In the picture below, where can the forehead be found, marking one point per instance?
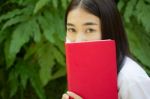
(80, 16)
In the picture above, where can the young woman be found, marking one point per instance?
(89, 20)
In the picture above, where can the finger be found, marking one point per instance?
(65, 96)
(73, 95)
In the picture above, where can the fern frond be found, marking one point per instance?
(46, 61)
(143, 15)
(39, 5)
(129, 10)
(20, 36)
(55, 3)
(64, 3)
(47, 28)
(15, 20)
(58, 56)
(10, 15)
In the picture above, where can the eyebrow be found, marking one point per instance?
(70, 24)
(88, 23)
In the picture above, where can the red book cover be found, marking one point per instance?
(92, 69)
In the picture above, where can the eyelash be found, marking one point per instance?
(72, 30)
(91, 30)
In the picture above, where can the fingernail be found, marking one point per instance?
(66, 96)
(68, 92)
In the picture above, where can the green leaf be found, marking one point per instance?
(36, 31)
(14, 20)
(40, 4)
(30, 71)
(3, 35)
(55, 3)
(13, 82)
(58, 56)
(51, 27)
(21, 35)
(38, 88)
(64, 3)
(60, 43)
(129, 10)
(36, 82)
(8, 58)
(139, 44)
(47, 28)
(24, 2)
(10, 15)
(24, 73)
(61, 72)
(147, 1)
(30, 51)
(143, 15)
(46, 61)
(121, 4)
(16, 12)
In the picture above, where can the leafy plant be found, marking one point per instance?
(136, 15)
(31, 46)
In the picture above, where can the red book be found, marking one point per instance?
(92, 69)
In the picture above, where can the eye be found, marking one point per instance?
(71, 30)
(90, 30)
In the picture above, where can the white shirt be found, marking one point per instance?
(133, 82)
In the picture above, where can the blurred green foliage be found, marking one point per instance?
(32, 56)
(32, 49)
(137, 22)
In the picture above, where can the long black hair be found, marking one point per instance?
(111, 23)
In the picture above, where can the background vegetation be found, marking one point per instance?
(32, 56)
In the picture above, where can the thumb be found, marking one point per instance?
(73, 95)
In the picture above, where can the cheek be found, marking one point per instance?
(71, 36)
(94, 36)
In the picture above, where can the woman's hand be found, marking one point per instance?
(70, 94)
